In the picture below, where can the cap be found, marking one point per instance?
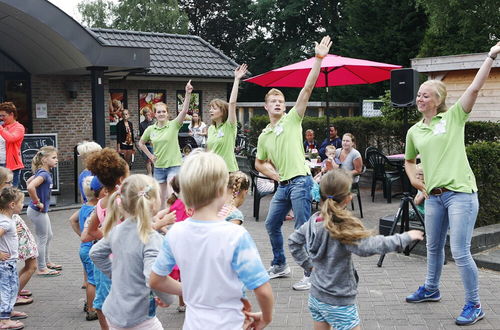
(95, 184)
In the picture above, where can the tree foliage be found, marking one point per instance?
(152, 15)
(459, 27)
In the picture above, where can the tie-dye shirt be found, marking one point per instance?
(216, 259)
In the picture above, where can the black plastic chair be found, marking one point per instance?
(384, 170)
(257, 195)
(355, 190)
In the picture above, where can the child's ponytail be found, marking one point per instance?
(143, 214)
(238, 181)
(335, 188)
(36, 162)
(113, 212)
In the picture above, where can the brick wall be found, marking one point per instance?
(72, 118)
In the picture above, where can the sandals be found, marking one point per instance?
(54, 266)
(11, 325)
(26, 293)
(50, 273)
(15, 315)
(23, 300)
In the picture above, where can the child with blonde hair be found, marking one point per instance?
(40, 190)
(11, 202)
(324, 245)
(237, 189)
(28, 251)
(215, 257)
(84, 149)
(134, 245)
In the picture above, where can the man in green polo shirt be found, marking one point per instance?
(281, 144)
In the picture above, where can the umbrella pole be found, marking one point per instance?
(326, 106)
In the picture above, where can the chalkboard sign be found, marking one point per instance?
(29, 148)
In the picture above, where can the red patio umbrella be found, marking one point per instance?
(335, 71)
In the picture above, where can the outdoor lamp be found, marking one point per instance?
(72, 88)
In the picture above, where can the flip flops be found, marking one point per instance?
(11, 325)
(54, 266)
(15, 315)
(50, 273)
(23, 300)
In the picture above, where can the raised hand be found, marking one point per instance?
(240, 71)
(323, 47)
(189, 87)
(495, 50)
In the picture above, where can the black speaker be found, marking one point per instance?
(404, 87)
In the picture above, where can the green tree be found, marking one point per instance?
(153, 16)
(388, 31)
(390, 112)
(458, 27)
(96, 13)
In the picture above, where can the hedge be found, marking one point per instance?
(484, 160)
(386, 135)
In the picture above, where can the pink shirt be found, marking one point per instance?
(180, 210)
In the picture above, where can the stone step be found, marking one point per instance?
(489, 259)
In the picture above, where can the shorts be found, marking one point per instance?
(88, 265)
(339, 317)
(102, 287)
(163, 175)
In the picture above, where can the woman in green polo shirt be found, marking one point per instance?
(163, 135)
(450, 187)
(222, 133)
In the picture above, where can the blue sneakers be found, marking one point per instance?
(470, 314)
(422, 294)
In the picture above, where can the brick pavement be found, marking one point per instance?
(58, 301)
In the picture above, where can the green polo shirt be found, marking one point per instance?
(222, 140)
(283, 146)
(442, 151)
(165, 143)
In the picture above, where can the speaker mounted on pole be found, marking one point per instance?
(404, 87)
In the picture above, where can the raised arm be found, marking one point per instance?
(185, 106)
(239, 72)
(321, 50)
(468, 99)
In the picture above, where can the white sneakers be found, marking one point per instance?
(303, 285)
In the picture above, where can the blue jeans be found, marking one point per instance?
(9, 284)
(15, 178)
(295, 195)
(456, 211)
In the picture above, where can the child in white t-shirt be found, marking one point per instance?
(217, 258)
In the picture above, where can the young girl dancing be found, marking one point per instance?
(134, 245)
(237, 189)
(215, 257)
(324, 246)
(28, 251)
(40, 190)
(11, 202)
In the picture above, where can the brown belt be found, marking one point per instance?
(438, 191)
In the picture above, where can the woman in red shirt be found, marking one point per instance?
(12, 132)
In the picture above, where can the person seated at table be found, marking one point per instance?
(329, 163)
(333, 140)
(348, 157)
(310, 143)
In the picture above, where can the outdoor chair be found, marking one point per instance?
(384, 170)
(355, 190)
(258, 194)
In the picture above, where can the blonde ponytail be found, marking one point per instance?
(37, 161)
(335, 188)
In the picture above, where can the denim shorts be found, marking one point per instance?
(102, 287)
(88, 265)
(339, 317)
(163, 175)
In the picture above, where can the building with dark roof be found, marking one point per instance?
(63, 77)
